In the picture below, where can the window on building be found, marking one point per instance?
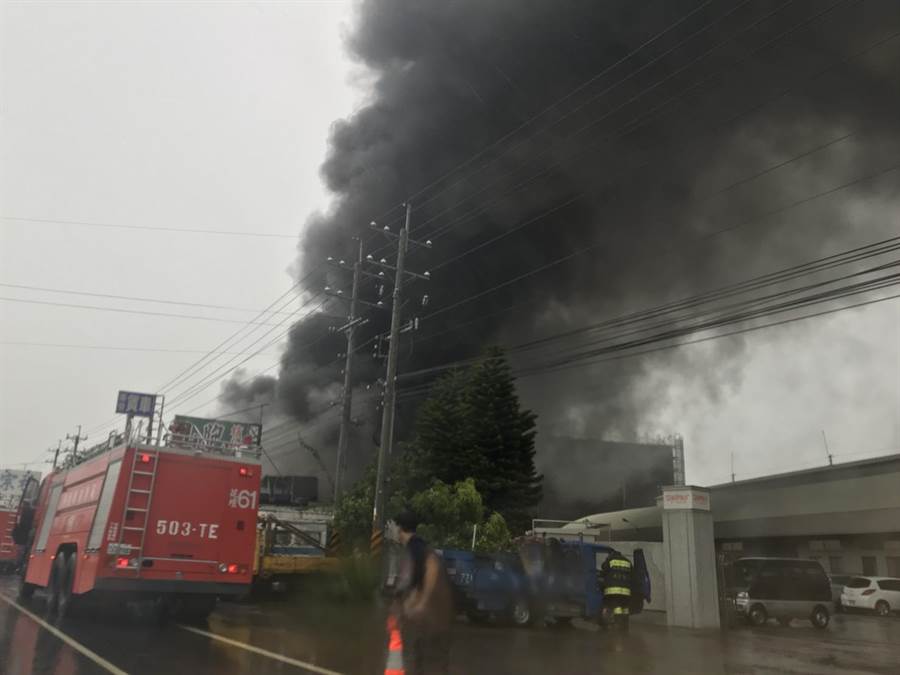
(835, 564)
(893, 565)
(870, 565)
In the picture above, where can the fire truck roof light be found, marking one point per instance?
(145, 458)
(121, 562)
(244, 471)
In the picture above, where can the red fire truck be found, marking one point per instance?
(175, 523)
(16, 488)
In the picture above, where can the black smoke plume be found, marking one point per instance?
(634, 165)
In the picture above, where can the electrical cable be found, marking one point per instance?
(569, 256)
(828, 262)
(119, 310)
(130, 297)
(119, 226)
(629, 127)
(651, 88)
(210, 379)
(581, 87)
(108, 347)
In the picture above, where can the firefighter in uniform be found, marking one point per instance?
(616, 576)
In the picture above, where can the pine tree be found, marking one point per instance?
(472, 426)
(502, 434)
(441, 450)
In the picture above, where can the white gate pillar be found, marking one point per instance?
(692, 598)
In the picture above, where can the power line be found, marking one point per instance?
(581, 87)
(681, 43)
(716, 315)
(108, 347)
(633, 99)
(131, 298)
(544, 369)
(633, 124)
(773, 278)
(593, 359)
(821, 264)
(764, 216)
(213, 352)
(131, 311)
(150, 228)
(219, 351)
(210, 379)
(224, 344)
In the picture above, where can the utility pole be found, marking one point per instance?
(76, 439)
(316, 456)
(390, 380)
(347, 395)
(827, 451)
(55, 453)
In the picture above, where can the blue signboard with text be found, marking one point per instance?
(136, 404)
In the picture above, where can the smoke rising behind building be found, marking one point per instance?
(650, 183)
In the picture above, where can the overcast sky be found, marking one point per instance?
(182, 115)
(214, 116)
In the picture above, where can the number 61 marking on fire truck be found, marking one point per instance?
(242, 499)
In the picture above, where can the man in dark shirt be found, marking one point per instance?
(426, 604)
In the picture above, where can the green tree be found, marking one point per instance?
(442, 448)
(449, 514)
(502, 434)
(353, 514)
(493, 535)
(473, 425)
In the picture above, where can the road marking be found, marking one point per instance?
(74, 644)
(313, 668)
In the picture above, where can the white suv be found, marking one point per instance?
(881, 594)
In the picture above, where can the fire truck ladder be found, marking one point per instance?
(6, 540)
(150, 458)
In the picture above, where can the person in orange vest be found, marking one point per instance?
(425, 603)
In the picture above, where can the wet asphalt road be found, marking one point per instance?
(349, 641)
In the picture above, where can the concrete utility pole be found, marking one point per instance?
(55, 453)
(390, 384)
(827, 449)
(347, 395)
(390, 380)
(76, 439)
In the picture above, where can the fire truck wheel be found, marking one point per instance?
(26, 590)
(57, 579)
(64, 604)
(196, 609)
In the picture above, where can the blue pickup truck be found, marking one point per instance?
(546, 581)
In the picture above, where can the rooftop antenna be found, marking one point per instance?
(827, 451)
(732, 466)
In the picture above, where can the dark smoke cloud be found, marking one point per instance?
(450, 78)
